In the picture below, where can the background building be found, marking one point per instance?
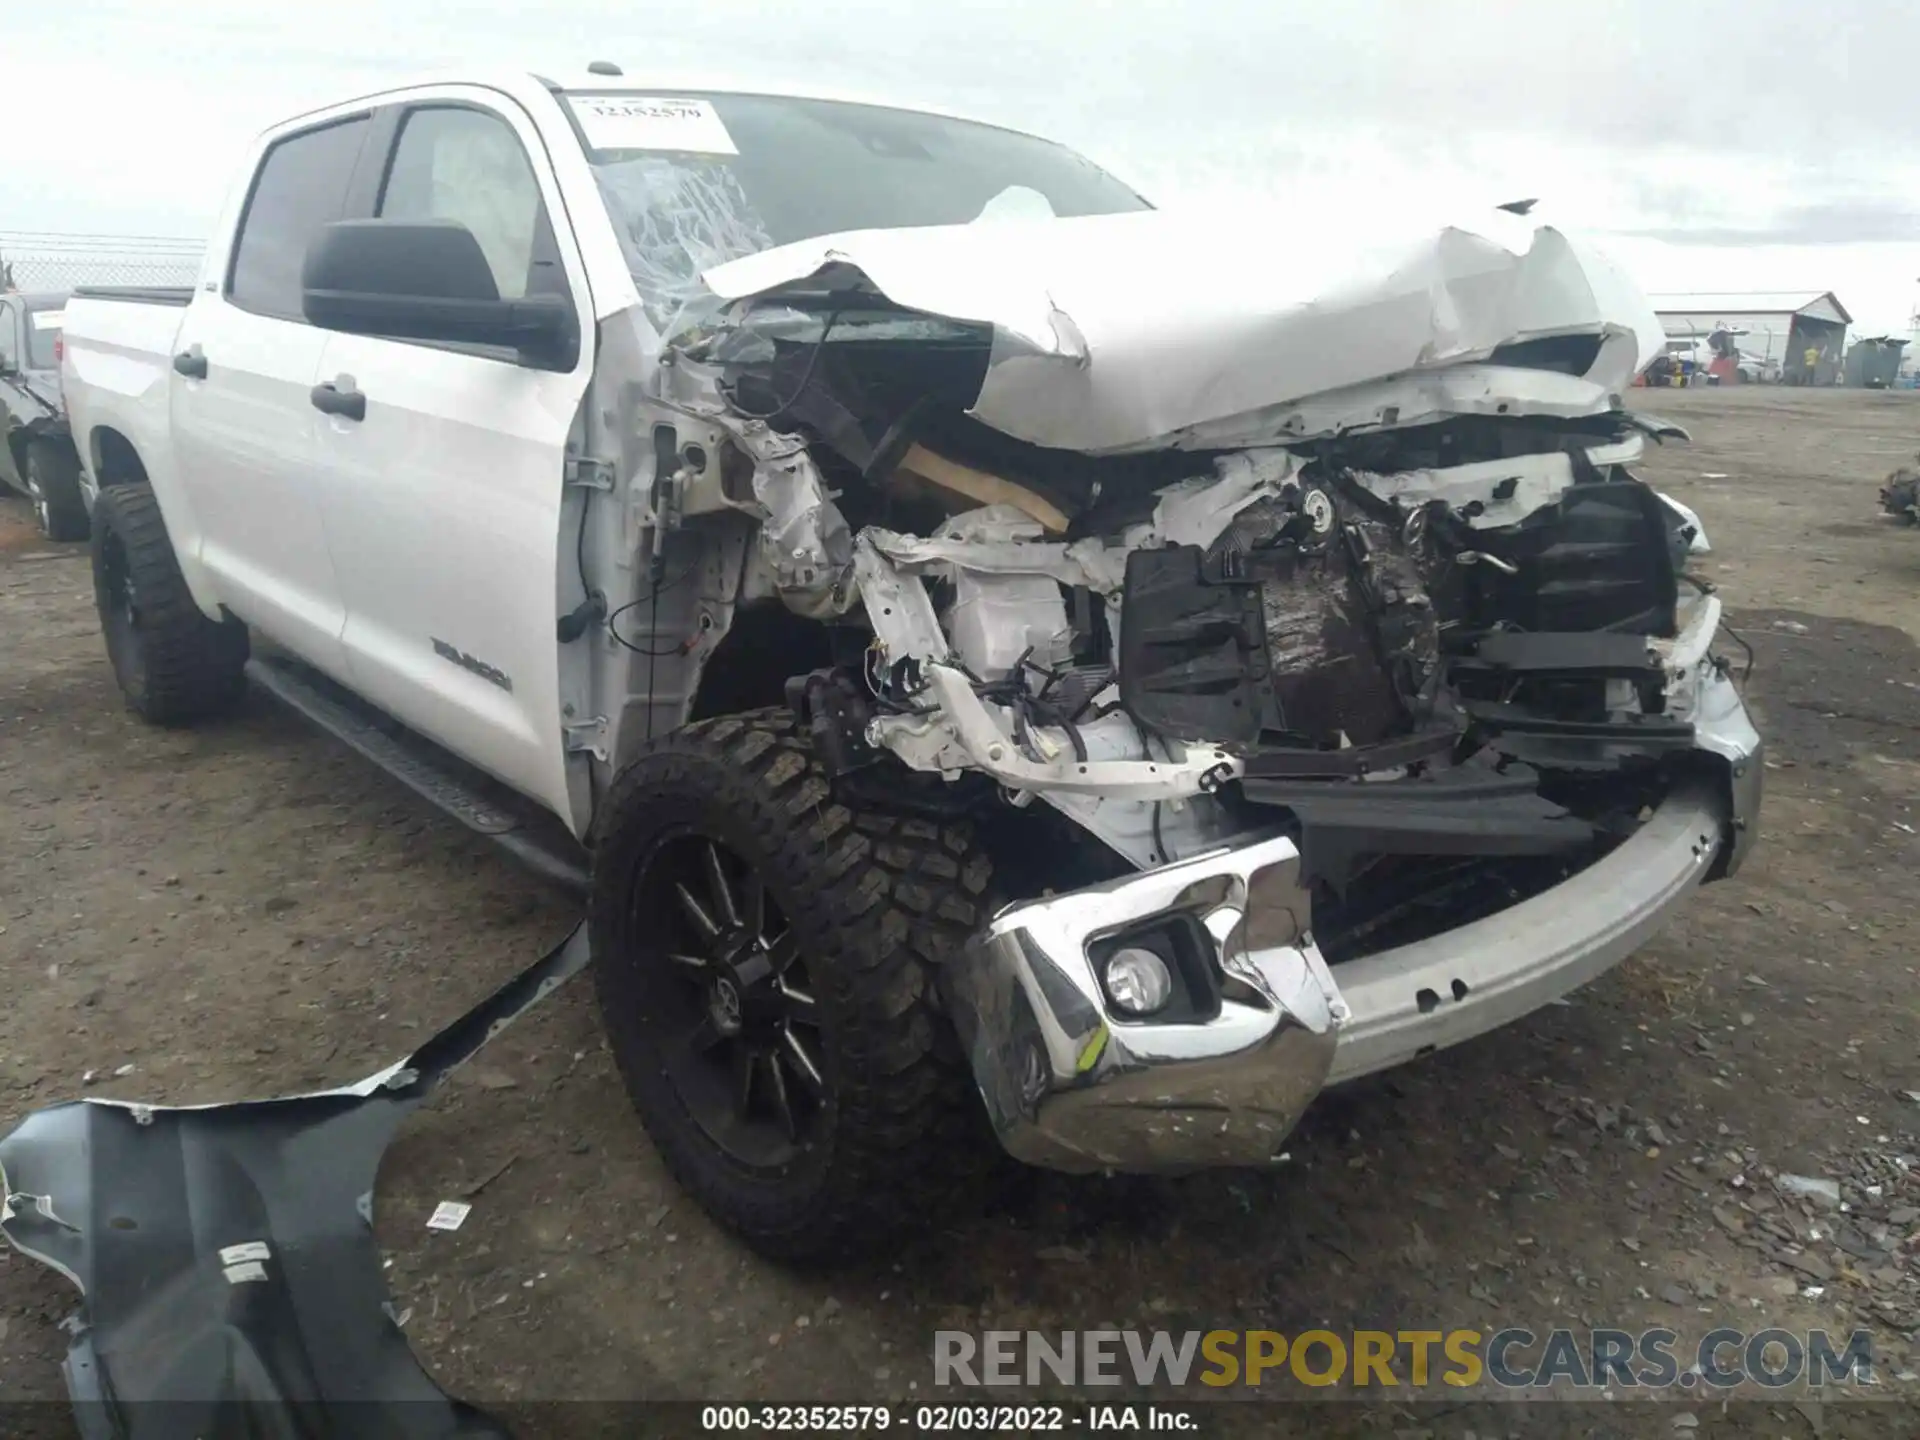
(1779, 327)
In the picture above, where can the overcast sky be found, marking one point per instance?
(1753, 144)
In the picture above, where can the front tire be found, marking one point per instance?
(174, 665)
(765, 961)
(52, 478)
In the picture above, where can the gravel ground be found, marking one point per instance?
(248, 909)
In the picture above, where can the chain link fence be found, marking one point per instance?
(42, 260)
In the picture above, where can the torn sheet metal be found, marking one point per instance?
(1493, 494)
(1687, 657)
(1695, 532)
(990, 548)
(1194, 512)
(1118, 332)
(226, 1254)
(804, 538)
(1420, 397)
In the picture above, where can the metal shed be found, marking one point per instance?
(1778, 327)
(1874, 363)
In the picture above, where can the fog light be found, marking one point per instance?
(1138, 981)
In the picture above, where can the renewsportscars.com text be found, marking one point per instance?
(1511, 1358)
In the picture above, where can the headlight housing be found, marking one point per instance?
(1137, 981)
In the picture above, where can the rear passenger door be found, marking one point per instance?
(442, 502)
(245, 433)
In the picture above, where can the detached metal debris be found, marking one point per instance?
(1900, 496)
(226, 1256)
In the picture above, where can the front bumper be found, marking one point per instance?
(1072, 1085)
(1418, 998)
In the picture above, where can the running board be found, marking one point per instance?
(475, 800)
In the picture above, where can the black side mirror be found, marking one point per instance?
(427, 280)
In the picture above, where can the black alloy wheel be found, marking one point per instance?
(737, 1018)
(766, 962)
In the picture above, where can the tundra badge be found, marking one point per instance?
(478, 667)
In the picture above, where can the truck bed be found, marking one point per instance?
(117, 372)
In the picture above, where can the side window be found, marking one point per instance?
(43, 325)
(467, 165)
(9, 337)
(301, 185)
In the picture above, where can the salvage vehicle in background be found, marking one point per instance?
(37, 456)
(1718, 358)
(995, 650)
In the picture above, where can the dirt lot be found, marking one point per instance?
(248, 909)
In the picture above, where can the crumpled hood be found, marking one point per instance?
(1122, 332)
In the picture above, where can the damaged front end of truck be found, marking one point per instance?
(1338, 632)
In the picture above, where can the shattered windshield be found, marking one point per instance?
(695, 180)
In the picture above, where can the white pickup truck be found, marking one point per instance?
(994, 650)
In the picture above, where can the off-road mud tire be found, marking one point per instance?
(175, 666)
(878, 903)
(52, 478)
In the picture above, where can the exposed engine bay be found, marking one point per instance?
(1418, 646)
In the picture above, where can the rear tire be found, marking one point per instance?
(727, 882)
(52, 479)
(174, 665)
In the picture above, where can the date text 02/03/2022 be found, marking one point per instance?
(945, 1418)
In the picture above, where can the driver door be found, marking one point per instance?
(441, 488)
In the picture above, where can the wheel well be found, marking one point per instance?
(115, 461)
(766, 646)
(22, 438)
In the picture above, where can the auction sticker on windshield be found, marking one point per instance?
(631, 122)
